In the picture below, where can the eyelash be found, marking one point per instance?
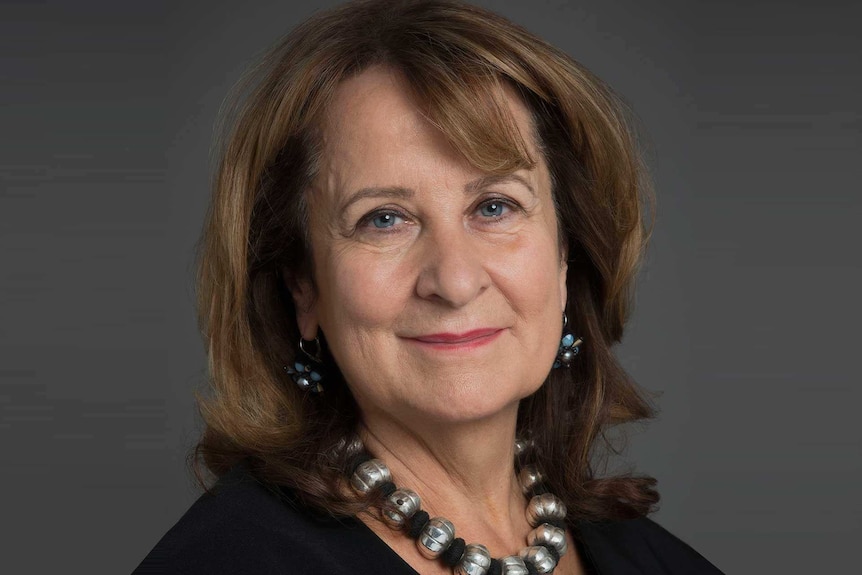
(366, 220)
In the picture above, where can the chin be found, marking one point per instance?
(472, 403)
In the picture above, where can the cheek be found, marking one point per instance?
(530, 282)
(531, 274)
(362, 290)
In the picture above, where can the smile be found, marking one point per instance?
(457, 341)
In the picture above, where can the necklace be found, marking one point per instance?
(435, 537)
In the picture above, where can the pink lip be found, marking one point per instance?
(452, 341)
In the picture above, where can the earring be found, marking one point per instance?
(570, 345)
(307, 374)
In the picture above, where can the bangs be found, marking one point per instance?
(471, 109)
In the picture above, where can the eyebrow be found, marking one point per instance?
(480, 184)
(398, 192)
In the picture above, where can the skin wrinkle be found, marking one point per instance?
(473, 188)
(444, 427)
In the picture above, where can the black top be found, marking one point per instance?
(247, 528)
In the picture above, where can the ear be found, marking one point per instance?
(305, 303)
(564, 269)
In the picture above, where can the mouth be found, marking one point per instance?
(458, 341)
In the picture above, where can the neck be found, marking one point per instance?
(462, 471)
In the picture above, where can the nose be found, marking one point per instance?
(452, 267)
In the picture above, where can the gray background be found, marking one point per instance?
(748, 311)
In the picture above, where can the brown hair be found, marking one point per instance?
(455, 57)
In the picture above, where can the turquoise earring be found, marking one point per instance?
(308, 374)
(570, 346)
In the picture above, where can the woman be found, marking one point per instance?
(425, 228)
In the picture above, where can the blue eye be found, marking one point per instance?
(385, 220)
(493, 209)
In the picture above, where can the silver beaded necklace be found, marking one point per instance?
(435, 537)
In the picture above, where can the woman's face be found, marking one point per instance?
(440, 289)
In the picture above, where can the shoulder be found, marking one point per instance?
(215, 530)
(246, 527)
(640, 546)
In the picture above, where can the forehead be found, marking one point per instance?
(374, 117)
